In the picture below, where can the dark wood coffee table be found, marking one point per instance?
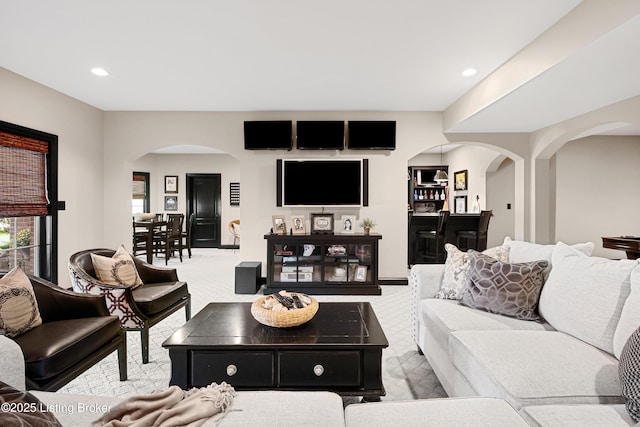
(339, 350)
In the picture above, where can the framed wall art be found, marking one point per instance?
(170, 203)
(460, 180)
(171, 184)
(321, 223)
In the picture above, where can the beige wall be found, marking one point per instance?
(597, 190)
(159, 165)
(130, 135)
(99, 150)
(80, 160)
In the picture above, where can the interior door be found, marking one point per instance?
(204, 200)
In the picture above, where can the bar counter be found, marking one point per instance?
(429, 221)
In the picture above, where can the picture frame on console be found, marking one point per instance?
(348, 224)
(361, 273)
(321, 223)
(298, 225)
(279, 224)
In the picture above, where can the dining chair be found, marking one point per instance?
(170, 239)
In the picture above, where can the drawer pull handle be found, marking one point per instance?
(318, 370)
(231, 370)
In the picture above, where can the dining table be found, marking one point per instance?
(150, 227)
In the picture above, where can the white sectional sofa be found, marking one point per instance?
(559, 371)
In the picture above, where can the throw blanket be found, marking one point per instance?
(171, 408)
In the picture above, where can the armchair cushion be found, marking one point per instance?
(18, 307)
(152, 298)
(53, 347)
(118, 270)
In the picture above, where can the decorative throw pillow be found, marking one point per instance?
(521, 251)
(455, 269)
(33, 413)
(629, 369)
(504, 288)
(18, 307)
(119, 270)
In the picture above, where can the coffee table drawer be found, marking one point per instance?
(240, 369)
(328, 368)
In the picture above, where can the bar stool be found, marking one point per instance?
(437, 236)
(478, 237)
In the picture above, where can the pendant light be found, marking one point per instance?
(440, 174)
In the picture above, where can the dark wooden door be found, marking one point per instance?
(204, 200)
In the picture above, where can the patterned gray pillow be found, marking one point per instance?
(503, 288)
(629, 369)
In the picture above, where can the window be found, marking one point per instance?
(28, 200)
(140, 201)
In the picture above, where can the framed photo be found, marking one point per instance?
(298, 224)
(460, 180)
(348, 224)
(361, 273)
(279, 224)
(321, 223)
(170, 203)
(461, 204)
(170, 184)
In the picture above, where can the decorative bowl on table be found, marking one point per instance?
(284, 310)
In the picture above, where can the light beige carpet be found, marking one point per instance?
(210, 274)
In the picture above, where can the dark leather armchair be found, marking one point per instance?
(137, 308)
(76, 333)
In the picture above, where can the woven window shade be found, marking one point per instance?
(139, 186)
(23, 176)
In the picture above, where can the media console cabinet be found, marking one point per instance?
(337, 264)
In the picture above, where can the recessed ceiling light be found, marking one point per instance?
(469, 72)
(99, 72)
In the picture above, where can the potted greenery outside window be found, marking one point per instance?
(23, 242)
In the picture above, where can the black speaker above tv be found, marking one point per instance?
(320, 135)
(268, 135)
(372, 135)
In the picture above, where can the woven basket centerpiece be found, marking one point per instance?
(284, 309)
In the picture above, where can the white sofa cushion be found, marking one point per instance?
(577, 415)
(535, 367)
(249, 408)
(443, 317)
(630, 316)
(476, 412)
(521, 251)
(584, 295)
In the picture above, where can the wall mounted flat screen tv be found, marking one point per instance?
(322, 182)
(320, 135)
(372, 135)
(268, 135)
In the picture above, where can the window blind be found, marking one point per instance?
(23, 176)
(139, 186)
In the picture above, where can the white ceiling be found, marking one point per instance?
(334, 55)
